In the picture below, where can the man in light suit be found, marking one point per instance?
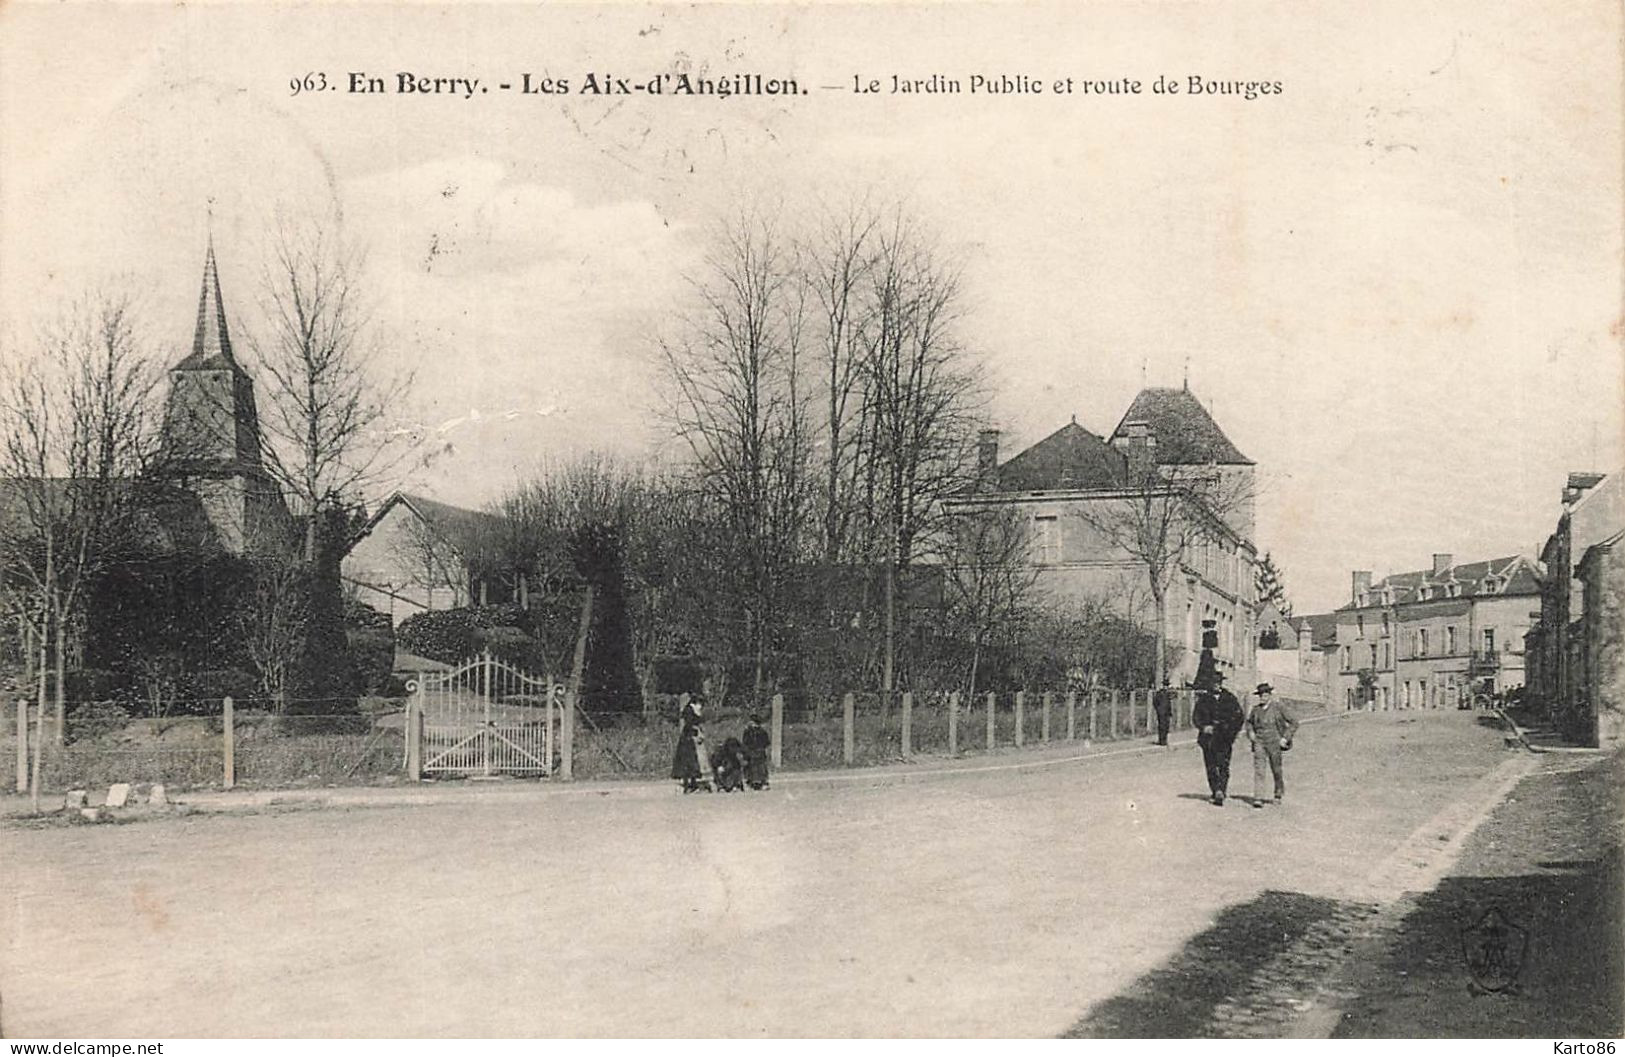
(1269, 730)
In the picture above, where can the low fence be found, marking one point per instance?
(858, 729)
(234, 746)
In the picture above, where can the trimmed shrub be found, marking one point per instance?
(450, 636)
(95, 719)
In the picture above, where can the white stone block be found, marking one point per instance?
(156, 796)
(75, 798)
(118, 794)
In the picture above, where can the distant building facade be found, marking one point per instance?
(418, 554)
(1574, 649)
(1055, 483)
(1436, 637)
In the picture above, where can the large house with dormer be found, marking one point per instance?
(1436, 637)
(1064, 485)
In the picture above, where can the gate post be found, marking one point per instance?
(848, 736)
(228, 730)
(908, 723)
(414, 739)
(1111, 731)
(953, 723)
(1071, 715)
(1043, 727)
(777, 751)
(1021, 717)
(22, 745)
(992, 703)
(547, 727)
(1094, 700)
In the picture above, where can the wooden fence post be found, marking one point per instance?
(1021, 717)
(776, 752)
(953, 723)
(848, 734)
(992, 703)
(1071, 715)
(1111, 731)
(22, 745)
(547, 728)
(228, 743)
(1043, 725)
(908, 723)
(414, 738)
(1093, 701)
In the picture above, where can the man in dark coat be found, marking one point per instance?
(1218, 718)
(1162, 703)
(1269, 731)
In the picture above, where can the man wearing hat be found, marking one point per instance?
(1269, 730)
(1218, 719)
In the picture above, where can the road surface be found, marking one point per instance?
(990, 903)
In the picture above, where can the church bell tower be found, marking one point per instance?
(211, 437)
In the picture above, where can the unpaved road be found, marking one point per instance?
(983, 904)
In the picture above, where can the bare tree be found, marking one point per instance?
(739, 402)
(1163, 517)
(325, 435)
(273, 626)
(923, 392)
(77, 433)
(990, 576)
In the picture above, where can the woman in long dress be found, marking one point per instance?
(689, 764)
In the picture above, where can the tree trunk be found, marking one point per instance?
(61, 691)
(1159, 600)
(889, 669)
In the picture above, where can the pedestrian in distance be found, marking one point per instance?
(1218, 718)
(689, 763)
(1269, 731)
(757, 741)
(1162, 703)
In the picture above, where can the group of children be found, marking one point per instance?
(741, 761)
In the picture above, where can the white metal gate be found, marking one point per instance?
(484, 718)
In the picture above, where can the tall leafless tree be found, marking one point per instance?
(328, 397)
(739, 401)
(78, 431)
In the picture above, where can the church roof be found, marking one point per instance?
(1186, 433)
(211, 344)
(1071, 457)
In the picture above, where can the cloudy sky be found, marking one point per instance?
(1397, 284)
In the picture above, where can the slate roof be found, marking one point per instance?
(1071, 457)
(467, 530)
(1322, 628)
(1186, 434)
(1514, 576)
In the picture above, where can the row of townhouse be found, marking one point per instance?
(1439, 637)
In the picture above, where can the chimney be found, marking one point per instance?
(1362, 584)
(1441, 563)
(987, 455)
(1138, 445)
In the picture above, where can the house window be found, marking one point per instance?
(1373, 655)
(1489, 640)
(1385, 625)
(1049, 539)
(1348, 657)
(1422, 642)
(1359, 624)
(1450, 640)
(1385, 655)
(1425, 593)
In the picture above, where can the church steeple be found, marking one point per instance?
(211, 344)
